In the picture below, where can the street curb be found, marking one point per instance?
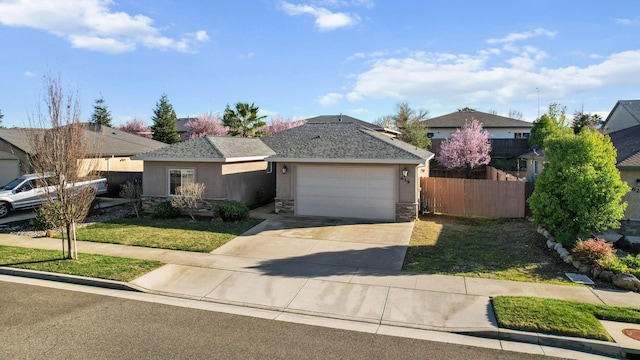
(564, 342)
(70, 279)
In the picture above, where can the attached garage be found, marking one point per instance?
(366, 192)
(345, 169)
(9, 167)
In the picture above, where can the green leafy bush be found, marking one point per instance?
(231, 210)
(626, 265)
(594, 252)
(166, 210)
(46, 217)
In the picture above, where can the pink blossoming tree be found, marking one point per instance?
(466, 149)
(280, 124)
(205, 125)
(137, 127)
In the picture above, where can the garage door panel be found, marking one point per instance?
(341, 191)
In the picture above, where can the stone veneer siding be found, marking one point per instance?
(285, 206)
(150, 202)
(406, 211)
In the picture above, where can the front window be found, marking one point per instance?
(179, 177)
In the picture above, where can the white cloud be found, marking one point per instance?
(635, 21)
(330, 99)
(513, 37)
(488, 76)
(325, 19)
(29, 74)
(90, 24)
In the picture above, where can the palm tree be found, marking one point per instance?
(244, 120)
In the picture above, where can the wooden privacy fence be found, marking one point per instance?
(473, 197)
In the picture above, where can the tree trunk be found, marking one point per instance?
(70, 251)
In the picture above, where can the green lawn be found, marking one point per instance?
(174, 234)
(559, 317)
(506, 249)
(90, 265)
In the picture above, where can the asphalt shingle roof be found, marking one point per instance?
(210, 149)
(342, 118)
(458, 119)
(627, 144)
(102, 140)
(341, 141)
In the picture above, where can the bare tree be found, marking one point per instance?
(189, 197)
(59, 147)
(133, 191)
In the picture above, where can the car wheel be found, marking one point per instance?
(4, 209)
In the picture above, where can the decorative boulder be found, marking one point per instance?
(551, 244)
(568, 259)
(584, 269)
(606, 275)
(576, 264)
(626, 281)
(558, 246)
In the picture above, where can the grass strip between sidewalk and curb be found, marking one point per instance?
(89, 265)
(559, 317)
(172, 234)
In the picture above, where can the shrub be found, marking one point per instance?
(133, 191)
(165, 210)
(47, 216)
(231, 210)
(626, 265)
(594, 252)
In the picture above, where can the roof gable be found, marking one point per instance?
(459, 118)
(341, 141)
(624, 108)
(627, 145)
(342, 118)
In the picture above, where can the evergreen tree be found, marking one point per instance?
(244, 120)
(1, 116)
(581, 120)
(165, 127)
(101, 114)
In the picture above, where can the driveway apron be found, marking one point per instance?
(347, 243)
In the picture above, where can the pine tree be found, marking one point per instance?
(101, 114)
(165, 127)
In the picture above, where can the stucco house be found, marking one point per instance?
(625, 114)
(109, 151)
(508, 136)
(9, 167)
(343, 169)
(231, 168)
(627, 144)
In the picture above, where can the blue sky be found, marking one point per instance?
(300, 59)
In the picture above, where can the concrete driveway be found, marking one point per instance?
(349, 243)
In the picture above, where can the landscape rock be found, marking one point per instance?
(606, 275)
(558, 246)
(568, 259)
(596, 272)
(584, 269)
(576, 264)
(545, 233)
(551, 244)
(563, 253)
(626, 281)
(627, 245)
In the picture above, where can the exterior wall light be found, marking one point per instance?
(405, 173)
(284, 169)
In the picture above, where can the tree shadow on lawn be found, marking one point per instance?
(483, 247)
(31, 262)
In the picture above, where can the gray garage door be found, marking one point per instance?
(366, 192)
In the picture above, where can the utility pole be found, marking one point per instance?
(537, 89)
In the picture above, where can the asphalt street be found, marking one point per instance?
(45, 323)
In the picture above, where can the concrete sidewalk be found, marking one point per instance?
(382, 297)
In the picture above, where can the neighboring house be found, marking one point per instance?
(182, 129)
(345, 118)
(9, 167)
(231, 168)
(625, 114)
(508, 136)
(627, 144)
(109, 151)
(344, 169)
(535, 163)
